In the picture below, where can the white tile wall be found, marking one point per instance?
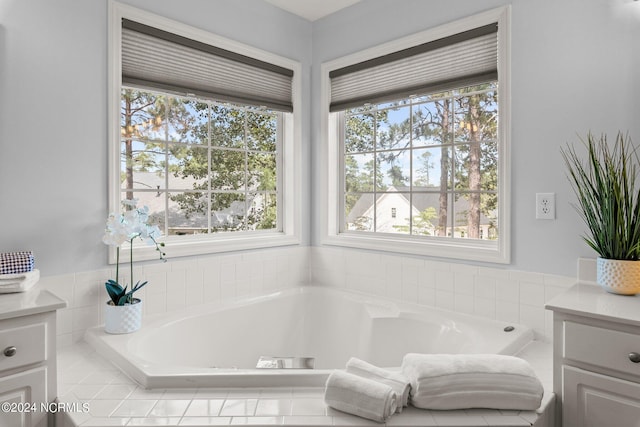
(495, 293)
(176, 284)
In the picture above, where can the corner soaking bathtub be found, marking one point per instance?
(219, 345)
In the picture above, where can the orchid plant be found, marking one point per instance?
(127, 227)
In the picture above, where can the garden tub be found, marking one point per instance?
(220, 345)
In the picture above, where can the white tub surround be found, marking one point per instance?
(596, 360)
(219, 345)
(28, 357)
(113, 399)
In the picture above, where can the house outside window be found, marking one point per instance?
(421, 124)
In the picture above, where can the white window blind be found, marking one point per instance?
(462, 59)
(157, 59)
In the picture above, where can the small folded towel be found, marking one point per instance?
(22, 282)
(16, 262)
(460, 381)
(397, 381)
(360, 396)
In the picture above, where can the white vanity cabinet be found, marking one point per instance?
(27, 358)
(596, 367)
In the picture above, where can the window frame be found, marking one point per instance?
(332, 168)
(290, 172)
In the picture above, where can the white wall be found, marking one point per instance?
(53, 109)
(574, 69)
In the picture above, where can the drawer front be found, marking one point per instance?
(602, 347)
(23, 345)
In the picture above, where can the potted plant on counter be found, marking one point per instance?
(123, 312)
(609, 204)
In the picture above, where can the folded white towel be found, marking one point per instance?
(20, 282)
(360, 396)
(459, 381)
(396, 380)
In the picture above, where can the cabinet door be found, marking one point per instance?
(594, 400)
(28, 387)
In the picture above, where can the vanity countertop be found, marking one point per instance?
(33, 301)
(590, 300)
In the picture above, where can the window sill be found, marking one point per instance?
(205, 246)
(470, 250)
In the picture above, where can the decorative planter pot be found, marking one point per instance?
(123, 319)
(619, 276)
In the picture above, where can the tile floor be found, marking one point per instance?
(112, 399)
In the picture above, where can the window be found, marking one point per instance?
(201, 167)
(421, 124)
(435, 154)
(204, 126)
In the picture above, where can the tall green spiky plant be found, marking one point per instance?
(608, 201)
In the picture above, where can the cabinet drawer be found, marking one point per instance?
(602, 347)
(29, 343)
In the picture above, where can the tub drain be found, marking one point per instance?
(509, 328)
(288, 362)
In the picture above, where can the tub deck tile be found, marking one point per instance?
(85, 377)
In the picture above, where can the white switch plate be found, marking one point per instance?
(545, 205)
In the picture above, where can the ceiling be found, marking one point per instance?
(312, 9)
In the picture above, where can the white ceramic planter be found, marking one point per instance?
(618, 276)
(123, 319)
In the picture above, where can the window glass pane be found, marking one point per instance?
(476, 116)
(432, 123)
(386, 206)
(393, 128)
(228, 212)
(227, 170)
(359, 132)
(431, 168)
(142, 115)
(489, 211)
(430, 213)
(188, 167)
(188, 120)
(262, 171)
(187, 213)
(476, 216)
(476, 166)
(262, 214)
(141, 165)
(394, 170)
(227, 126)
(359, 212)
(359, 170)
(261, 131)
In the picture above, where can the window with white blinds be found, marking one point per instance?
(417, 136)
(156, 59)
(201, 128)
(463, 59)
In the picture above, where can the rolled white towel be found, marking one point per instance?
(396, 380)
(360, 396)
(16, 262)
(459, 381)
(20, 282)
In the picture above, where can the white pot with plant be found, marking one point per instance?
(123, 312)
(609, 204)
